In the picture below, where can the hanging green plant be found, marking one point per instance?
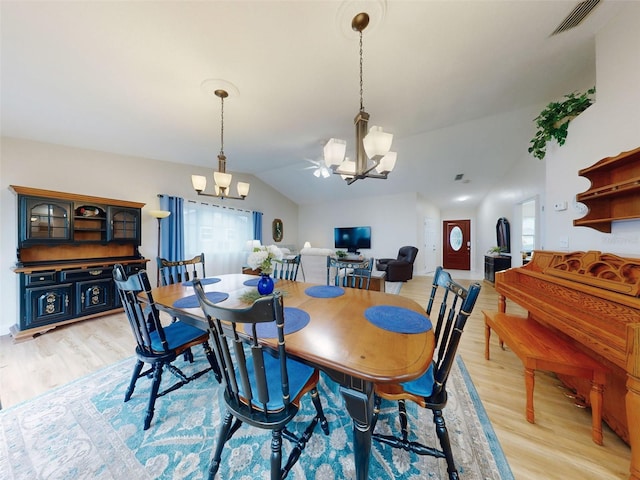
(553, 121)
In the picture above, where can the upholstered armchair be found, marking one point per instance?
(399, 269)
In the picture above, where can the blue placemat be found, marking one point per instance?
(192, 301)
(254, 282)
(294, 320)
(397, 319)
(324, 291)
(203, 281)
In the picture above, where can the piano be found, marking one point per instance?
(592, 299)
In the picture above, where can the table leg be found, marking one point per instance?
(360, 407)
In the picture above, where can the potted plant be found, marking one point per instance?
(341, 254)
(495, 251)
(553, 121)
(263, 258)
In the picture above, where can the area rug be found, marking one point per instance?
(84, 430)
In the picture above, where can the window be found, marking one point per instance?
(529, 226)
(220, 232)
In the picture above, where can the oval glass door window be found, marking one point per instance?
(455, 238)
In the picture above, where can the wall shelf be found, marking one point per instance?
(615, 191)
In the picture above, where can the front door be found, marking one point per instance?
(456, 244)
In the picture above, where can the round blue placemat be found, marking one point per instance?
(294, 320)
(254, 282)
(192, 301)
(203, 281)
(324, 291)
(397, 319)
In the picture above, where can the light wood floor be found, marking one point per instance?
(558, 446)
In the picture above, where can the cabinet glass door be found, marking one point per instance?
(47, 220)
(125, 224)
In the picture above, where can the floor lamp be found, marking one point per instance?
(159, 214)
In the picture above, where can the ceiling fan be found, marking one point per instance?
(320, 170)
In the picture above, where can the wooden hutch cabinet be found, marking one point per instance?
(67, 247)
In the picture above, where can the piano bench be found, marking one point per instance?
(539, 348)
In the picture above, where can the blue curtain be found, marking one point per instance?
(172, 228)
(257, 226)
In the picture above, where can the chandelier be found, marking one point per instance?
(373, 158)
(221, 178)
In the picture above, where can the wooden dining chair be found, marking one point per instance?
(349, 274)
(176, 271)
(287, 268)
(157, 345)
(429, 390)
(262, 386)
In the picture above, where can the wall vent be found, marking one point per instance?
(577, 15)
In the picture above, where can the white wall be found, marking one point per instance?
(394, 221)
(610, 126)
(73, 170)
(524, 181)
(605, 129)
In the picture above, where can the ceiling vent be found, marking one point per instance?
(577, 15)
(459, 177)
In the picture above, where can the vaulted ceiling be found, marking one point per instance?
(458, 83)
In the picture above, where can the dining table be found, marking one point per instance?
(340, 338)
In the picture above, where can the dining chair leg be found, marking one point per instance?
(276, 454)
(188, 355)
(402, 416)
(134, 378)
(223, 436)
(324, 424)
(376, 413)
(155, 386)
(443, 436)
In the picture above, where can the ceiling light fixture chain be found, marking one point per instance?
(221, 123)
(361, 82)
(373, 158)
(221, 178)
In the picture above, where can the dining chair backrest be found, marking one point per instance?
(287, 268)
(176, 271)
(158, 346)
(429, 390)
(141, 310)
(262, 387)
(455, 305)
(242, 357)
(355, 274)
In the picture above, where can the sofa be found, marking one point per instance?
(313, 264)
(399, 269)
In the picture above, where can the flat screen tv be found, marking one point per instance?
(352, 238)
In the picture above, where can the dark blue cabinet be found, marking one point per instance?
(67, 247)
(493, 264)
(44, 305)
